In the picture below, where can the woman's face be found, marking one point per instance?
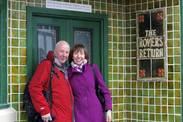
(78, 56)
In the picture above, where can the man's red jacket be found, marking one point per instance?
(62, 98)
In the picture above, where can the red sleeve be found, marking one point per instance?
(36, 87)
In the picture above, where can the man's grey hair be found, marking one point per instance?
(61, 42)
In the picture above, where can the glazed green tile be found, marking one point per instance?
(145, 84)
(169, 27)
(115, 84)
(15, 5)
(139, 100)
(14, 42)
(144, 6)
(175, 2)
(177, 34)
(171, 118)
(121, 93)
(115, 115)
(115, 92)
(150, 5)
(115, 69)
(177, 76)
(23, 70)
(14, 69)
(14, 79)
(15, 105)
(140, 115)
(177, 43)
(170, 51)
(145, 92)
(170, 85)
(109, 84)
(157, 4)
(14, 33)
(22, 42)
(14, 23)
(14, 97)
(110, 60)
(14, 61)
(138, 7)
(177, 100)
(169, 3)
(15, 14)
(177, 68)
(178, 109)
(115, 77)
(128, 77)
(157, 101)
(134, 92)
(170, 76)
(128, 92)
(170, 35)
(14, 51)
(162, 3)
(169, 19)
(164, 93)
(177, 51)
(176, 9)
(23, 61)
(151, 93)
(140, 92)
(14, 88)
(164, 109)
(178, 118)
(158, 117)
(152, 117)
(22, 24)
(151, 101)
(146, 108)
(23, 33)
(176, 18)
(170, 101)
(114, 100)
(164, 117)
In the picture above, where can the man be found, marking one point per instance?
(62, 98)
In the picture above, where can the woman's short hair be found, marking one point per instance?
(78, 48)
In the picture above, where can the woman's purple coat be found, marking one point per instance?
(87, 107)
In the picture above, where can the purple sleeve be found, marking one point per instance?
(103, 87)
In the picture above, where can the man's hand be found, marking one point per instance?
(108, 116)
(46, 118)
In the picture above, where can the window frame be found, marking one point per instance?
(164, 36)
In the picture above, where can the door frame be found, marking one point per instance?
(181, 14)
(54, 13)
(3, 58)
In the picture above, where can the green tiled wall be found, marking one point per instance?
(133, 101)
(154, 101)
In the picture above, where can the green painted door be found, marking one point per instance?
(45, 29)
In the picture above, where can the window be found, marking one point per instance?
(151, 45)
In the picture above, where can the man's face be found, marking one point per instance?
(62, 53)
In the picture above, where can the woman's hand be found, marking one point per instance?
(108, 116)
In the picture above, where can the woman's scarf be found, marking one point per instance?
(77, 67)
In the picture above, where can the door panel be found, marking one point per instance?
(87, 33)
(46, 32)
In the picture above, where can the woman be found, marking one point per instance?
(87, 107)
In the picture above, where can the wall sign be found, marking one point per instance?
(151, 45)
(68, 6)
